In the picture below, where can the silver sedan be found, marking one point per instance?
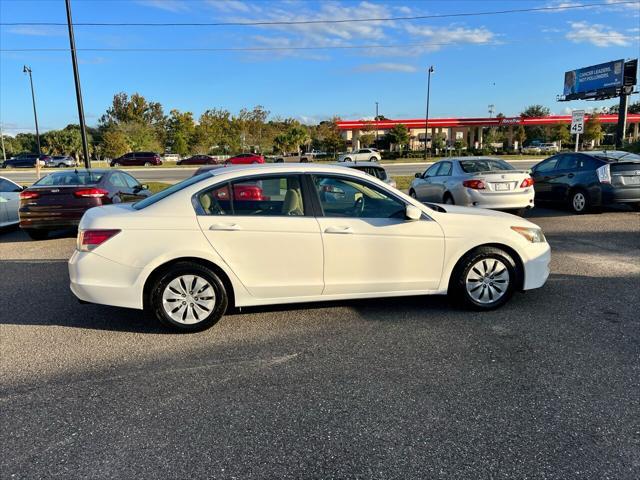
(475, 182)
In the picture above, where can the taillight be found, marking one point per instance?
(27, 195)
(475, 184)
(527, 182)
(90, 239)
(604, 173)
(91, 193)
(249, 193)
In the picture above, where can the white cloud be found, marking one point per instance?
(38, 31)
(174, 6)
(452, 34)
(385, 67)
(233, 6)
(596, 34)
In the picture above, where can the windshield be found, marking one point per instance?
(70, 178)
(156, 197)
(484, 165)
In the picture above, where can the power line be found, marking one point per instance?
(327, 21)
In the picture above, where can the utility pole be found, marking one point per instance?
(376, 124)
(622, 116)
(26, 69)
(426, 121)
(4, 152)
(76, 77)
(491, 110)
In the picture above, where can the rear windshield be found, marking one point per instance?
(617, 156)
(474, 166)
(70, 178)
(379, 173)
(156, 197)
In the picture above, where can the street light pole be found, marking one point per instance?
(426, 121)
(76, 77)
(26, 69)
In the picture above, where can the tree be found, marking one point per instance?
(329, 137)
(298, 136)
(134, 109)
(180, 132)
(216, 132)
(367, 135)
(140, 137)
(67, 141)
(560, 133)
(251, 124)
(114, 143)
(399, 135)
(593, 129)
(439, 141)
(536, 132)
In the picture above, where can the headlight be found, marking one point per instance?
(534, 235)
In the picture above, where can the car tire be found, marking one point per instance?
(116, 164)
(147, 164)
(37, 234)
(347, 159)
(412, 194)
(61, 165)
(373, 159)
(484, 279)
(579, 201)
(170, 286)
(448, 199)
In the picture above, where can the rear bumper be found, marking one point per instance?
(51, 219)
(89, 283)
(499, 201)
(612, 194)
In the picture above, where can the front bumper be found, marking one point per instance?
(90, 283)
(536, 265)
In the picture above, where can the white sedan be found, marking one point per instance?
(475, 182)
(269, 234)
(9, 202)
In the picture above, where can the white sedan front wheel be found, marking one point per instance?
(484, 279)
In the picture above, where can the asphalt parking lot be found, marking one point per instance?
(546, 387)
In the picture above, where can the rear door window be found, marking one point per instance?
(568, 162)
(445, 169)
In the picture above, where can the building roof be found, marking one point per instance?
(474, 122)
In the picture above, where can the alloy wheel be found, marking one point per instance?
(487, 281)
(188, 299)
(579, 201)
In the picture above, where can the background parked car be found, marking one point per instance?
(548, 148)
(146, 159)
(9, 202)
(198, 160)
(60, 199)
(582, 180)
(372, 168)
(206, 168)
(25, 160)
(245, 158)
(362, 155)
(475, 182)
(61, 161)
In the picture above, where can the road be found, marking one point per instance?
(173, 175)
(546, 387)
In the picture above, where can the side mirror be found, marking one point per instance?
(144, 186)
(413, 213)
(418, 175)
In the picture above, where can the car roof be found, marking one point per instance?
(608, 154)
(262, 168)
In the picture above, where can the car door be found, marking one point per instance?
(370, 247)
(439, 184)
(137, 192)
(432, 189)
(422, 184)
(543, 175)
(564, 176)
(9, 201)
(264, 229)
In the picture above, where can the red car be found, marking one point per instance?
(60, 199)
(245, 158)
(130, 159)
(198, 160)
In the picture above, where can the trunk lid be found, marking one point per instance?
(625, 174)
(502, 181)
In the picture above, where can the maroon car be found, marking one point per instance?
(142, 159)
(60, 199)
(198, 160)
(245, 158)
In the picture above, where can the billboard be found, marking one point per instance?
(604, 76)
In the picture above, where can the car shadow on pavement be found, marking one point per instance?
(16, 235)
(546, 210)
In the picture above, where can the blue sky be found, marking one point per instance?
(509, 60)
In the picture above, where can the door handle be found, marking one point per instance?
(339, 230)
(570, 175)
(225, 227)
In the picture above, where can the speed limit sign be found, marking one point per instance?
(577, 122)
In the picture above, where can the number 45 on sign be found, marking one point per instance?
(577, 122)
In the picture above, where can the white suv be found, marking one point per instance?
(362, 155)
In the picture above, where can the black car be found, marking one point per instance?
(26, 160)
(583, 180)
